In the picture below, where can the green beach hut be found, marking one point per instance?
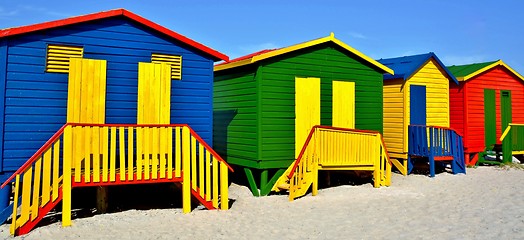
(266, 103)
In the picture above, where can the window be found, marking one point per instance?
(173, 60)
(57, 60)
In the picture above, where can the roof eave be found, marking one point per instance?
(486, 68)
(217, 56)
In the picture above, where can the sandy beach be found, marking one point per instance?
(487, 203)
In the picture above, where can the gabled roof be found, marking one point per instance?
(405, 67)
(466, 72)
(113, 13)
(269, 53)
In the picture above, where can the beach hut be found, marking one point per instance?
(266, 103)
(489, 97)
(118, 89)
(415, 98)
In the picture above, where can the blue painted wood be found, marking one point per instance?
(3, 76)
(417, 112)
(443, 142)
(35, 101)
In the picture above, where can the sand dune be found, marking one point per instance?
(487, 203)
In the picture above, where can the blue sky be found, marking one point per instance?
(459, 32)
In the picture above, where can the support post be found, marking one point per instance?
(186, 171)
(101, 199)
(66, 185)
(507, 150)
(224, 187)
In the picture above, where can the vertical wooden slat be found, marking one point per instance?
(224, 184)
(27, 180)
(186, 187)
(66, 186)
(35, 204)
(178, 152)
(46, 176)
(155, 152)
(56, 166)
(105, 153)
(96, 154)
(122, 145)
(112, 157)
(147, 143)
(193, 163)
(14, 226)
(87, 154)
(208, 175)
(139, 153)
(201, 168)
(169, 133)
(130, 153)
(163, 151)
(78, 136)
(215, 183)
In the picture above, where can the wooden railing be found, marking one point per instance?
(436, 143)
(512, 141)
(330, 148)
(111, 154)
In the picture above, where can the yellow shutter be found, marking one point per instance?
(154, 93)
(57, 59)
(343, 104)
(174, 61)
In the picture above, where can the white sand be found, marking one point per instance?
(487, 203)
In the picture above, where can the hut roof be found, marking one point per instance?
(405, 67)
(108, 14)
(468, 71)
(269, 53)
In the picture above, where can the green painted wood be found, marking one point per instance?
(505, 111)
(489, 118)
(235, 117)
(252, 183)
(266, 189)
(329, 64)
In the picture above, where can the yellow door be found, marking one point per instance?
(154, 93)
(86, 100)
(343, 104)
(307, 109)
(86, 103)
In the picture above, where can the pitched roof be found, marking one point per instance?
(269, 53)
(113, 13)
(465, 72)
(405, 67)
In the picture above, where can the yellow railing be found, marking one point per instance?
(330, 148)
(512, 141)
(109, 154)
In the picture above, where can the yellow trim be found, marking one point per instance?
(330, 38)
(497, 63)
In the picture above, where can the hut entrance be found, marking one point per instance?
(154, 93)
(307, 109)
(417, 103)
(505, 109)
(343, 104)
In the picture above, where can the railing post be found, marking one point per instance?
(224, 184)
(186, 171)
(507, 148)
(66, 187)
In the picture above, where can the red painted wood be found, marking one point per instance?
(112, 13)
(42, 211)
(443, 158)
(498, 78)
(456, 94)
(117, 181)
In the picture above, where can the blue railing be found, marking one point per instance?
(437, 144)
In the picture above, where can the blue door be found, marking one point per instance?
(417, 101)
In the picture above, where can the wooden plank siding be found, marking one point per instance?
(498, 79)
(397, 105)
(235, 135)
(456, 108)
(394, 120)
(35, 104)
(329, 63)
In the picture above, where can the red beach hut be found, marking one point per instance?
(489, 97)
